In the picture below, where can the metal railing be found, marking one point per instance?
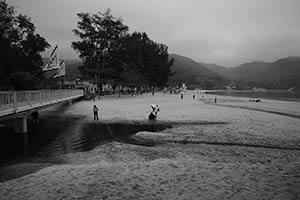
(17, 101)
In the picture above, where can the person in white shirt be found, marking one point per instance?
(153, 114)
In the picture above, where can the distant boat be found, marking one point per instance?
(292, 89)
(259, 89)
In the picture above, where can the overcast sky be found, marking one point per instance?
(225, 32)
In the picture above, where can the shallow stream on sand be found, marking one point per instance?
(91, 134)
(56, 136)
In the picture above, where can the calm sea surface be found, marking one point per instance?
(276, 95)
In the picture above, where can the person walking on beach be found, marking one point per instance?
(181, 94)
(215, 99)
(95, 109)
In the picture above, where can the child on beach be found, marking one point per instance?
(95, 109)
(153, 114)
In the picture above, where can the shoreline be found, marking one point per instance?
(262, 110)
(263, 94)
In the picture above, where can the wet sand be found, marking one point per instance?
(212, 151)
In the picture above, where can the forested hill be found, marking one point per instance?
(221, 70)
(285, 68)
(280, 74)
(195, 75)
(72, 69)
(182, 62)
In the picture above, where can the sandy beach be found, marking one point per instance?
(234, 149)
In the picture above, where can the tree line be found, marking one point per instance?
(111, 54)
(20, 49)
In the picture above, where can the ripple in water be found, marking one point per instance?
(86, 136)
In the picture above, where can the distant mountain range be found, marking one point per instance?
(280, 74)
(223, 71)
(187, 64)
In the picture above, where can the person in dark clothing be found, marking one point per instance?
(181, 94)
(95, 109)
(35, 117)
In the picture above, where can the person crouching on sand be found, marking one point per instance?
(95, 109)
(153, 114)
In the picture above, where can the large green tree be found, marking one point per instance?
(109, 52)
(130, 56)
(20, 49)
(157, 63)
(146, 59)
(99, 41)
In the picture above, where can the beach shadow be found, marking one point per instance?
(21, 169)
